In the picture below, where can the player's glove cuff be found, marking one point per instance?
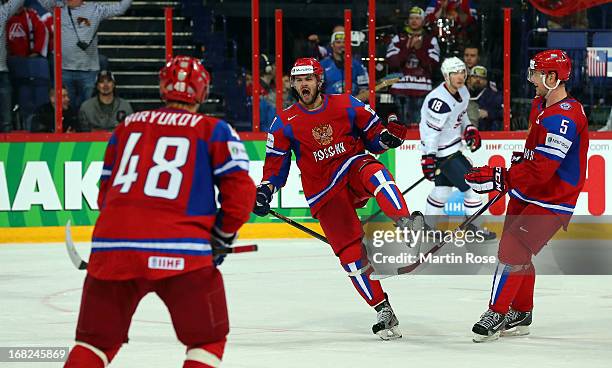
(262, 200)
(486, 179)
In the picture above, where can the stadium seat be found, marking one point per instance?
(567, 40)
(602, 39)
(575, 44)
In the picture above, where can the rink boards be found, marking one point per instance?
(45, 184)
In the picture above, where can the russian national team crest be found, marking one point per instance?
(323, 134)
(565, 106)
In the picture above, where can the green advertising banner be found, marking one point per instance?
(49, 183)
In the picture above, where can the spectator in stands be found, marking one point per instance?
(7, 9)
(44, 117)
(452, 22)
(288, 98)
(28, 43)
(27, 34)
(415, 54)
(333, 66)
(315, 49)
(471, 56)
(485, 109)
(267, 99)
(105, 110)
(80, 58)
(267, 73)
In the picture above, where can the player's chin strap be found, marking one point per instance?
(550, 89)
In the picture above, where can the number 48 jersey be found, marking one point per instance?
(157, 194)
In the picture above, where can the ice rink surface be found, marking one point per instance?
(291, 305)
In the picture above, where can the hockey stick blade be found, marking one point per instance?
(462, 226)
(76, 259)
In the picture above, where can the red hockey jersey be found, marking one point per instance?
(326, 143)
(553, 169)
(157, 194)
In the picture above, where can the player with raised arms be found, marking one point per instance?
(329, 135)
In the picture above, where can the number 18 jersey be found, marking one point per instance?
(157, 194)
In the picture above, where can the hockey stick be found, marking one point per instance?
(80, 264)
(462, 226)
(299, 226)
(438, 171)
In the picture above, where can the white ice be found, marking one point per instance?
(291, 305)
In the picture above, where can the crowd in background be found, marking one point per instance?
(413, 56)
(424, 36)
(27, 98)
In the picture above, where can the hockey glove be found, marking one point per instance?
(220, 240)
(517, 157)
(394, 133)
(471, 135)
(262, 200)
(428, 164)
(486, 179)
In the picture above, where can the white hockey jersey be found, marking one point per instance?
(443, 120)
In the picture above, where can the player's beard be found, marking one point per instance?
(310, 97)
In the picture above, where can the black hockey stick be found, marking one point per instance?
(80, 264)
(462, 226)
(438, 171)
(299, 226)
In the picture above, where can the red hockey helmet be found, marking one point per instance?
(184, 79)
(305, 66)
(551, 61)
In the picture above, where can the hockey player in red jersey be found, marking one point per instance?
(159, 224)
(329, 135)
(543, 182)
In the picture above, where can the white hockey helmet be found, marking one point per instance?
(452, 65)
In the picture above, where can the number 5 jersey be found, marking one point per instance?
(553, 169)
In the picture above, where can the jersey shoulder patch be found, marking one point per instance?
(565, 105)
(438, 106)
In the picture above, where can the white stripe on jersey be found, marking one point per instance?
(557, 207)
(552, 151)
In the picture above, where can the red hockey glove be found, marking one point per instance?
(428, 164)
(517, 157)
(471, 135)
(486, 179)
(393, 135)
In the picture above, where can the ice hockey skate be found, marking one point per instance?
(386, 326)
(489, 327)
(517, 323)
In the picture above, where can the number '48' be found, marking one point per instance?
(127, 174)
